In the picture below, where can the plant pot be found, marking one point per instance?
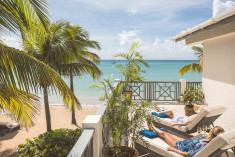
(128, 93)
(189, 110)
(125, 152)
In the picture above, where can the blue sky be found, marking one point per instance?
(115, 24)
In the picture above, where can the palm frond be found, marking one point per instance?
(21, 14)
(81, 68)
(198, 51)
(18, 69)
(193, 67)
(23, 105)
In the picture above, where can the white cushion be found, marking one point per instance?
(207, 112)
(167, 122)
(159, 146)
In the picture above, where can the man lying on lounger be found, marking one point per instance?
(179, 119)
(186, 147)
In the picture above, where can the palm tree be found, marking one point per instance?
(132, 70)
(60, 47)
(19, 72)
(193, 67)
(84, 62)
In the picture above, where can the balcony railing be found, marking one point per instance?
(84, 145)
(159, 90)
(194, 84)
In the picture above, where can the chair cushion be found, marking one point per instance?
(207, 112)
(167, 122)
(159, 146)
(150, 134)
(162, 115)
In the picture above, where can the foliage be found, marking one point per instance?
(58, 143)
(20, 15)
(192, 95)
(193, 67)
(20, 72)
(84, 61)
(53, 49)
(124, 118)
(132, 69)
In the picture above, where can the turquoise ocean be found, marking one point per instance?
(160, 70)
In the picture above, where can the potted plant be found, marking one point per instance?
(132, 69)
(190, 96)
(125, 120)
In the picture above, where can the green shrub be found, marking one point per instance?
(57, 143)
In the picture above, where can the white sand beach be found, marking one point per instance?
(60, 118)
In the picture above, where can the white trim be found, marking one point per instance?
(207, 23)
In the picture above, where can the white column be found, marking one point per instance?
(95, 122)
(183, 85)
(116, 82)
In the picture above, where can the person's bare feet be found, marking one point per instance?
(160, 133)
(158, 109)
(150, 127)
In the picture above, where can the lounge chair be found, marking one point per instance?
(158, 146)
(206, 117)
(4, 127)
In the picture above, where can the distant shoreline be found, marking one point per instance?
(82, 105)
(149, 60)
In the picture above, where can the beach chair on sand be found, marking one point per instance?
(5, 128)
(158, 147)
(206, 117)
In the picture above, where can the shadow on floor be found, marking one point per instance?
(9, 135)
(9, 153)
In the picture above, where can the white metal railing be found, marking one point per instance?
(159, 90)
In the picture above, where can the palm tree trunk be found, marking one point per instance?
(73, 107)
(47, 109)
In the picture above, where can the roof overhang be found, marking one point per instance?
(217, 26)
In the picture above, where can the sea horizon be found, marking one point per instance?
(160, 70)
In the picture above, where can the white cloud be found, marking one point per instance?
(220, 7)
(132, 11)
(166, 49)
(162, 49)
(126, 37)
(11, 41)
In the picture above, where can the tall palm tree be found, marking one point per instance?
(84, 62)
(193, 67)
(19, 72)
(53, 49)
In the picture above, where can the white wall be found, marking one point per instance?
(219, 76)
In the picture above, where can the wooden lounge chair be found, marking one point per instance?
(206, 117)
(4, 127)
(158, 146)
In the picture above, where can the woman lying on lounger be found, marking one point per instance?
(186, 147)
(179, 119)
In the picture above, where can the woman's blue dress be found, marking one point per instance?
(191, 146)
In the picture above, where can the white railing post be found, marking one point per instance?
(116, 82)
(183, 85)
(95, 122)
